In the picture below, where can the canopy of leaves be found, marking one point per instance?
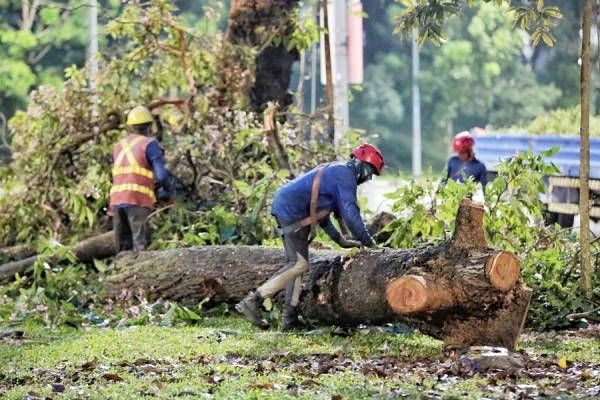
(561, 121)
(58, 182)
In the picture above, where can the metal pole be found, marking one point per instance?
(340, 79)
(93, 45)
(313, 78)
(416, 108)
(328, 61)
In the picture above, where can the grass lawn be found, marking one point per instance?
(224, 357)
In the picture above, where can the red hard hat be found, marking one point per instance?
(369, 154)
(463, 142)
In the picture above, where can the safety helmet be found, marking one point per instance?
(138, 116)
(369, 154)
(462, 142)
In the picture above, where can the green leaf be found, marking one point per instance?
(49, 15)
(540, 5)
(553, 12)
(548, 39)
(243, 187)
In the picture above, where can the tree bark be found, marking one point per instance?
(277, 150)
(17, 252)
(584, 191)
(461, 291)
(258, 23)
(95, 247)
(103, 246)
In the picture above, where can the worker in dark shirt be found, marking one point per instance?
(138, 169)
(298, 207)
(464, 164)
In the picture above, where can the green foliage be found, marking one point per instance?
(513, 221)
(37, 41)
(428, 17)
(539, 20)
(306, 32)
(560, 121)
(483, 53)
(59, 179)
(427, 213)
(53, 295)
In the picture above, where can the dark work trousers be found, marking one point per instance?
(131, 229)
(290, 275)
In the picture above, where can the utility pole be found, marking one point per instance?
(93, 44)
(327, 60)
(313, 68)
(340, 79)
(416, 108)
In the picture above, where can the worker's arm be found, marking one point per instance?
(327, 225)
(483, 176)
(347, 205)
(155, 157)
(335, 235)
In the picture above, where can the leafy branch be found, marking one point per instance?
(428, 17)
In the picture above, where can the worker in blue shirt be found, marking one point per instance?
(464, 164)
(298, 207)
(138, 170)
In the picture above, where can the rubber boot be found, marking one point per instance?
(290, 319)
(250, 307)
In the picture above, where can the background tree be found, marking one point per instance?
(480, 76)
(584, 167)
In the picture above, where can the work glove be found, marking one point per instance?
(347, 243)
(372, 244)
(164, 195)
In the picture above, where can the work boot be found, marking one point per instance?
(250, 307)
(290, 319)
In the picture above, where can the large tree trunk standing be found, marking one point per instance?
(461, 291)
(257, 23)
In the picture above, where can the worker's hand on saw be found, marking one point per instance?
(347, 243)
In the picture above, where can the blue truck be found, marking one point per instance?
(562, 197)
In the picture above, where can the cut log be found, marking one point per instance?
(17, 252)
(95, 247)
(461, 291)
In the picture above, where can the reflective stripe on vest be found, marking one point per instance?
(133, 170)
(134, 167)
(133, 187)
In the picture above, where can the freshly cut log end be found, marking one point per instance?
(415, 293)
(503, 270)
(407, 294)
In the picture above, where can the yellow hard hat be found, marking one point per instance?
(138, 116)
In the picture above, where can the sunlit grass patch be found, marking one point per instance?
(227, 358)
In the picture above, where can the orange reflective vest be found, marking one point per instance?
(133, 178)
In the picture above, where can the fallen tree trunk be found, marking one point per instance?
(461, 291)
(17, 252)
(95, 247)
(100, 247)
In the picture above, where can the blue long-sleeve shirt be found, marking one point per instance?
(458, 170)
(337, 192)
